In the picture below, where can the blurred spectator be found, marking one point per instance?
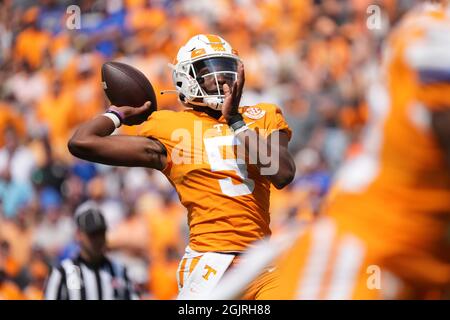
(51, 171)
(27, 85)
(312, 180)
(128, 246)
(8, 289)
(38, 273)
(8, 271)
(10, 119)
(18, 233)
(54, 113)
(32, 43)
(162, 283)
(113, 208)
(10, 265)
(56, 228)
(16, 159)
(16, 163)
(303, 197)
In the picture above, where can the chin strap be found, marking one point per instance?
(214, 103)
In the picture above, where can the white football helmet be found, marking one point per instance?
(201, 68)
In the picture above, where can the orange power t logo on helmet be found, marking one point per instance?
(215, 42)
(198, 53)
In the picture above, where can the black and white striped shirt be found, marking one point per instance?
(75, 279)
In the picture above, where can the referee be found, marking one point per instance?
(90, 275)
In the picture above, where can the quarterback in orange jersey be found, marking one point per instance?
(385, 231)
(220, 157)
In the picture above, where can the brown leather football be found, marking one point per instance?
(125, 85)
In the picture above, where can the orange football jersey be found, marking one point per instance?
(396, 194)
(384, 231)
(227, 199)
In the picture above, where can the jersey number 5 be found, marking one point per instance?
(218, 163)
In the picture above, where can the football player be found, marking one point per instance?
(220, 157)
(385, 233)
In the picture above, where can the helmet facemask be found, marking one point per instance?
(204, 80)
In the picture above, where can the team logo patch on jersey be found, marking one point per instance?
(254, 113)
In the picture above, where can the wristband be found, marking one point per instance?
(119, 114)
(236, 122)
(241, 129)
(115, 119)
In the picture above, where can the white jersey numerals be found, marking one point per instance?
(218, 163)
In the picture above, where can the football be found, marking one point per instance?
(125, 85)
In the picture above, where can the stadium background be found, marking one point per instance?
(312, 58)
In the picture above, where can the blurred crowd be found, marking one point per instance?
(312, 58)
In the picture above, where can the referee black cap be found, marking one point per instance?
(89, 218)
